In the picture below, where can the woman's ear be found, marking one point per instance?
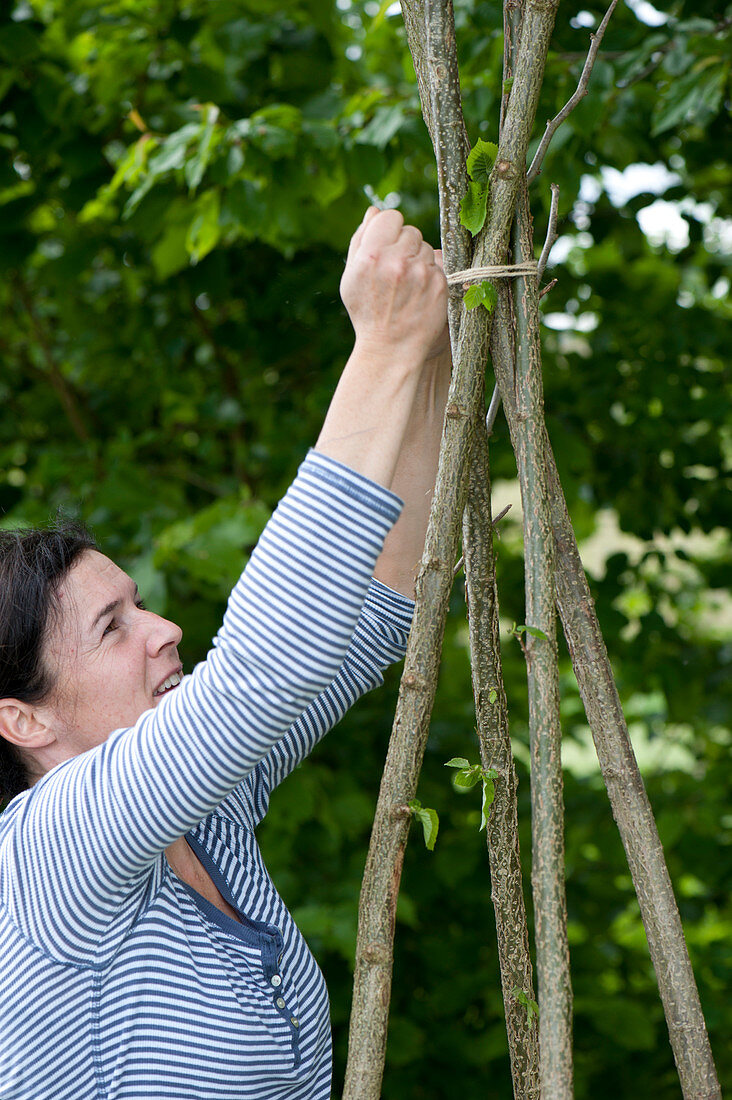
(21, 725)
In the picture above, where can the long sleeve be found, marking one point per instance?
(380, 639)
(74, 848)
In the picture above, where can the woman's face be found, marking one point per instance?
(111, 657)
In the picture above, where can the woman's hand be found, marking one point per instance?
(394, 289)
(396, 295)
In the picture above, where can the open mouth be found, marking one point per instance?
(168, 684)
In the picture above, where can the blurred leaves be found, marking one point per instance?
(177, 190)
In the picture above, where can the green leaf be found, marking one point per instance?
(428, 819)
(468, 777)
(195, 168)
(458, 762)
(204, 231)
(489, 793)
(480, 294)
(492, 695)
(536, 633)
(473, 207)
(694, 98)
(211, 546)
(532, 1008)
(481, 159)
(382, 127)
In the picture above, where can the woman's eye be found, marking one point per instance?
(112, 625)
(141, 605)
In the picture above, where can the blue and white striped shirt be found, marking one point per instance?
(118, 979)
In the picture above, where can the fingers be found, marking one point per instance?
(358, 235)
(384, 229)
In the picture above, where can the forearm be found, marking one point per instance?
(414, 479)
(371, 411)
(396, 297)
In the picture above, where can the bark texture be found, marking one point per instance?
(495, 752)
(547, 803)
(628, 798)
(547, 807)
(632, 812)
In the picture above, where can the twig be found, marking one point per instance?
(490, 416)
(491, 712)
(64, 391)
(542, 672)
(551, 233)
(549, 286)
(494, 524)
(581, 91)
(443, 83)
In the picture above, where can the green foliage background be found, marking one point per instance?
(178, 185)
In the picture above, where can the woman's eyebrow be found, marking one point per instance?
(113, 605)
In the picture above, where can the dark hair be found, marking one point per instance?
(32, 565)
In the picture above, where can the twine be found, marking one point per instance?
(494, 271)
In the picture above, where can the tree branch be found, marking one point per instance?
(372, 980)
(628, 799)
(545, 731)
(64, 391)
(581, 91)
(551, 232)
(502, 835)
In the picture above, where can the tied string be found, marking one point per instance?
(493, 271)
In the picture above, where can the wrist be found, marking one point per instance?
(399, 358)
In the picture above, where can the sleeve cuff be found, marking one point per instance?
(355, 485)
(396, 608)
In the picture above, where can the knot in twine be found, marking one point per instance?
(493, 271)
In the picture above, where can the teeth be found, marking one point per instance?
(172, 681)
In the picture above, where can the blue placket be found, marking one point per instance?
(267, 937)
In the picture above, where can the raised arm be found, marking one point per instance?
(386, 322)
(105, 816)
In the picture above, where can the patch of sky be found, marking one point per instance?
(563, 322)
(647, 14)
(620, 187)
(583, 19)
(662, 221)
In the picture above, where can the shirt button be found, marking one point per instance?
(276, 980)
(280, 1002)
(294, 1021)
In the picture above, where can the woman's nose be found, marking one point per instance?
(162, 633)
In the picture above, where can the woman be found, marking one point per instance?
(146, 952)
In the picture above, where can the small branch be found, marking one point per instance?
(548, 287)
(542, 672)
(64, 391)
(556, 122)
(551, 233)
(443, 80)
(491, 712)
(494, 524)
(490, 416)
